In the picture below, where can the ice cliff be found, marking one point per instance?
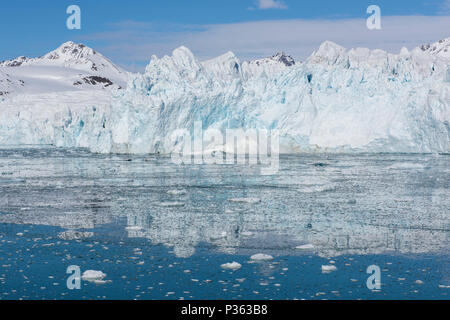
(338, 100)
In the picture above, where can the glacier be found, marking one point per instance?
(336, 101)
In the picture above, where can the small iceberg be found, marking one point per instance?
(261, 257)
(93, 275)
(245, 200)
(317, 188)
(231, 266)
(171, 204)
(328, 269)
(406, 166)
(177, 192)
(133, 228)
(307, 246)
(221, 235)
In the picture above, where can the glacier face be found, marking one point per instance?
(359, 100)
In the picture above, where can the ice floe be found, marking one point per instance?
(231, 266)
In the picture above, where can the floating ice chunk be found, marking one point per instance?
(406, 166)
(261, 257)
(171, 204)
(133, 228)
(74, 235)
(93, 275)
(177, 192)
(328, 269)
(245, 200)
(442, 286)
(221, 235)
(418, 282)
(307, 246)
(231, 266)
(317, 188)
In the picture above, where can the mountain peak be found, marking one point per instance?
(72, 66)
(440, 48)
(182, 51)
(284, 58)
(330, 46)
(328, 52)
(70, 50)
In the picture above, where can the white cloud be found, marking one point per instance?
(133, 43)
(271, 4)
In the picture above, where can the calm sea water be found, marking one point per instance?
(162, 231)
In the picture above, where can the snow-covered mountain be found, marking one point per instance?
(440, 49)
(268, 66)
(228, 65)
(70, 67)
(338, 100)
(8, 84)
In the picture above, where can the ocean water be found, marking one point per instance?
(163, 231)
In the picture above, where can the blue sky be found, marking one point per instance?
(129, 32)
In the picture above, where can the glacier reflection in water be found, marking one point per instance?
(333, 204)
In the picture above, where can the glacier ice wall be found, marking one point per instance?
(337, 101)
(359, 100)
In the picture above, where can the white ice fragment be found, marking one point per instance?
(307, 246)
(133, 228)
(245, 200)
(328, 269)
(261, 257)
(177, 192)
(171, 204)
(93, 275)
(221, 235)
(231, 266)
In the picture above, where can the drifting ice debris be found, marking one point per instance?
(93, 275)
(231, 266)
(133, 228)
(261, 257)
(221, 235)
(328, 269)
(308, 246)
(177, 192)
(171, 204)
(245, 200)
